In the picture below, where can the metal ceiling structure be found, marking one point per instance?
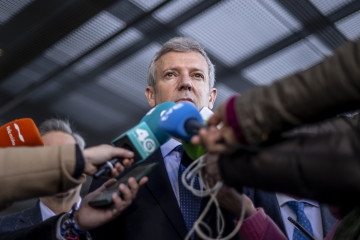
(86, 60)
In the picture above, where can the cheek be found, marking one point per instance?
(165, 95)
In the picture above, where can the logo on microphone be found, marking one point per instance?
(12, 139)
(148, 144)
(21, 137)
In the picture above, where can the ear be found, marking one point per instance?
(150, 95)
(212, 97)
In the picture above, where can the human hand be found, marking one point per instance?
(217, 139)
(211, 170)
(232, 201)
(96, 156)
(88, 217)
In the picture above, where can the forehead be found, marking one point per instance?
(54, 138)
(178, 60)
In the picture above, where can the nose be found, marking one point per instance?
(185, 83)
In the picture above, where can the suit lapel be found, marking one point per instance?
(271, 207)
(160, 188)
(29, 217)
(328, 220)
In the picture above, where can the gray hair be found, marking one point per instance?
(180, 44)
(54, 124)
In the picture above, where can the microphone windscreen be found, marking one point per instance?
(146, 137)
(20, 132)
(152, 118)
(196, 151)
(174, 119)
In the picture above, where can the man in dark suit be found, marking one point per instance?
(180, 71)
(53, 132)
(270, 203)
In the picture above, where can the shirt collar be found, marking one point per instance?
(167, 147)
(284, 198)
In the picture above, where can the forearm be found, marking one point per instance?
(324, 90)
(36, 171)
(323, 167)
(260, 227)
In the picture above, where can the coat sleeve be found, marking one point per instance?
(322, 165)
(328, 88)
(260, 227)
(27, 172)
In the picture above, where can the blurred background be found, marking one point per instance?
(86, 60)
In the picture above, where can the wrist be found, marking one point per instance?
(77, 225)
(232, 120)
(69, 228)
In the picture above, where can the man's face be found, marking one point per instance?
(55, 138)
(181, 76)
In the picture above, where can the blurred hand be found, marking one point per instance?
(88, 217)
(217, 140)
(228, 198)
(96, 156)
(211, 170)
(232, 200)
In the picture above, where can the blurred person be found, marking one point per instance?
(28, 172)
(251, 124)
(261, 116)
(179, 71)
(76, 224)
(53, 132)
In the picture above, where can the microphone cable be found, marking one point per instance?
(188, 180)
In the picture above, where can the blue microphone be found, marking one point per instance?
(143, 139)
(182, 121)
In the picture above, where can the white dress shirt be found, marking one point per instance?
(172, 162)
(312, 212)
(48, 213)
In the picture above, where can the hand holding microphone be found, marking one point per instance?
(184, 121)
(143, 139)
(217, 140)
(95, 156)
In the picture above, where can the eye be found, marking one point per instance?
(198, 75)
(169, 75)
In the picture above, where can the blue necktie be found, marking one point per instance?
(298, 208)
(189, 203)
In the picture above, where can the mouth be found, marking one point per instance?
(184, 100)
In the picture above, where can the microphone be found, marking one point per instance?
(20, 132)
(143, 139)
(301, 228)
(183, 121)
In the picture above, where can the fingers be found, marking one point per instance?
(143, 181)
(128, 194)
(127, 162)
(215, 119)
(97, 191)
(121, 153)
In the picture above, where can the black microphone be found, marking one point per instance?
(301, 228)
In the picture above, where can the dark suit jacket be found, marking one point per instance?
(23, 219)
(43, 230)
(154, 214)
(270, 204)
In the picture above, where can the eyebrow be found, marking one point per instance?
(191, 70)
